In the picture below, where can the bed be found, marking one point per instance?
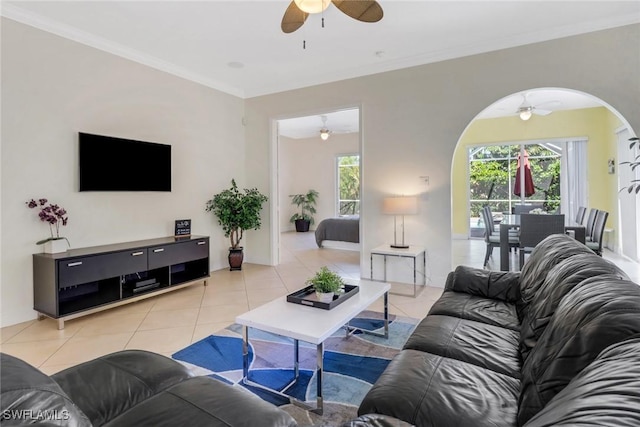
(342, 229)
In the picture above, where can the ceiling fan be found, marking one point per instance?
(526, 109)
(298, 11)
(324, 131)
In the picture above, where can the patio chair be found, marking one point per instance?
(491, 238)
(523, 209)
(598, 232)
(535, 228)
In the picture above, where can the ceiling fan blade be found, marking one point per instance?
(362, 10)
(541, 112)
(293, 18)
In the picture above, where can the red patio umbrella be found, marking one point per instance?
(529, 190)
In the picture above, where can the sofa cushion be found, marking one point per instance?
(605, 393)
(485, 310)
(487, 346)
(425, 389)
(203, 401)
(110, 385)
(27, 396)
(560, 280)
(548, 253)
(596, 313)
(499, 285)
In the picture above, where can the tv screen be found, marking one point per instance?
(117, 164)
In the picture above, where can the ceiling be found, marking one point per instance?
(237, 46)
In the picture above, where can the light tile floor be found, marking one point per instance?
(170, 322)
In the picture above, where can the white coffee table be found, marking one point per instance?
(310, 324)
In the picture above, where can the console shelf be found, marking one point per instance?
(86, 280)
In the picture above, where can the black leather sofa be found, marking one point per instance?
(127, 388)
(556, 344)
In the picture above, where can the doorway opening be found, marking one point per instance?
(320, 152)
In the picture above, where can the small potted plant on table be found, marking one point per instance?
(237, 211)
(326, 283)
(306, 203)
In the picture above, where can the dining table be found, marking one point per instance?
(512, 221)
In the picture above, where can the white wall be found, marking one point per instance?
(412, 120)
(310, 163)
(51, 89)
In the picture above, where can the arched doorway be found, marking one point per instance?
(556, 116)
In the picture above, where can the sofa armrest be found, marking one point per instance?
(501, 285)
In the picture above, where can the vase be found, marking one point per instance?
(236, 256)
(324, 296)
(55, 246)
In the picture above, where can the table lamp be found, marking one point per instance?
(401, 205)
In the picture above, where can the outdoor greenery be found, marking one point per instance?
(237, 211)
(349, 181)
(307, 205)
(325, 281)
(492, 177)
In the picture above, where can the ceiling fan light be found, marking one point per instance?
(525, 113)
(324, 134)
(312, 6)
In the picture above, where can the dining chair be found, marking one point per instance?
(491, 238)
(535, 228)
(591, 220)
(598, 232)
(580, 215)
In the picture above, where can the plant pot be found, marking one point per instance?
(55, 246)
(302, 225)
(236, 256)
(324, 296)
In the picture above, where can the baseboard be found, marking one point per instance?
(460, 237)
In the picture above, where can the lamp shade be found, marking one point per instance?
(402, 205)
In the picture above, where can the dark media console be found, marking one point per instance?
(83, 281)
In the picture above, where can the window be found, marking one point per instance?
(492, 171)
(348, 184)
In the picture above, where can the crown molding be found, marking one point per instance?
(18, 14)
(34, 20)
(443, 55)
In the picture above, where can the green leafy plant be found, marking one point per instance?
(237, 211)
(306, 203)
(326, 281)
(635, 183)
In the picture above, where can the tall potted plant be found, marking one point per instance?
(307, 205)
(237, 211)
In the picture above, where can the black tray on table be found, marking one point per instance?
(307, 296)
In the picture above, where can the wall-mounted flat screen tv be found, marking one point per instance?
(117, 164)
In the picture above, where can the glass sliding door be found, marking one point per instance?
(492, 180)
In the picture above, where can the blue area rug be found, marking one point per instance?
(351, 365)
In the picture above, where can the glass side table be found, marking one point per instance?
(411, 252)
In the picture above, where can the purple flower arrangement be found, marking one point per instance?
(52, 214)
